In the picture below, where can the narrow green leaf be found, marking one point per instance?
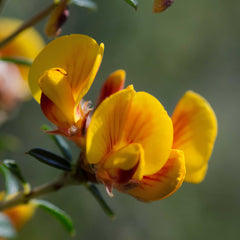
(12, 166)
(96, 193)
(6, 228)
(133, 3)
(86, 4)
(60, 142)
(50, 159)
(11, 184)
(56, 212)
(17, 60)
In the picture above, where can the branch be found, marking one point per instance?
(29, 23)
(65, 180)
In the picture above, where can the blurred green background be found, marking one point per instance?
(193, 45)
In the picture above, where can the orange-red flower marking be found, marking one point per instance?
(135, 147)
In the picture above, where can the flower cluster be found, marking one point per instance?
(129, 141)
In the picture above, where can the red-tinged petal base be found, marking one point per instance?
(75, 132)
(161, 5)
(53, 113)
(161, 184)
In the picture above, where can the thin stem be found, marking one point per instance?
(64, 181)
(77, 177)
(17, 60)
(29, 23)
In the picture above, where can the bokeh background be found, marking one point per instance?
(193, 45)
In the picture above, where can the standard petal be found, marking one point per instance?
(161, 184)
(79, 55)
(106, 126)
(149, 124)
(195, 131)
(128, 117)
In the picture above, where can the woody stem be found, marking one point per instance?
(65, 180)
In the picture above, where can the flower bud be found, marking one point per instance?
(57, 19)
(114, 83)
(161, 5)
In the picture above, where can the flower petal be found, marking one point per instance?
(79, 55)
(161, 184)
(195, 130)
(107, 124)
(196, 176)
(128, 117)
(53, 113)
(127, 158)
(20, 214)
(114, 83)
(149, 124)
(55, 86)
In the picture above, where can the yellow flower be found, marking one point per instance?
(60, 77)
(27, 44)
(135, 147)
(13, 85)
(20, 214)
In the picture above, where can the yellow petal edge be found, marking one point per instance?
(79, 55)
(195, 131)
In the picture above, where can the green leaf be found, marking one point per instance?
(50, 159)
(17, 60)
(86, 4)
(56, 212)
(11, 184)
(133, 3)
(12, 166)
(60, 142)
(96, 193)
(6, 228)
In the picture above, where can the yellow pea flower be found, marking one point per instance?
(13, 85)
(135, 147)
(27, 44)
(60, 77)
(20, 214)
